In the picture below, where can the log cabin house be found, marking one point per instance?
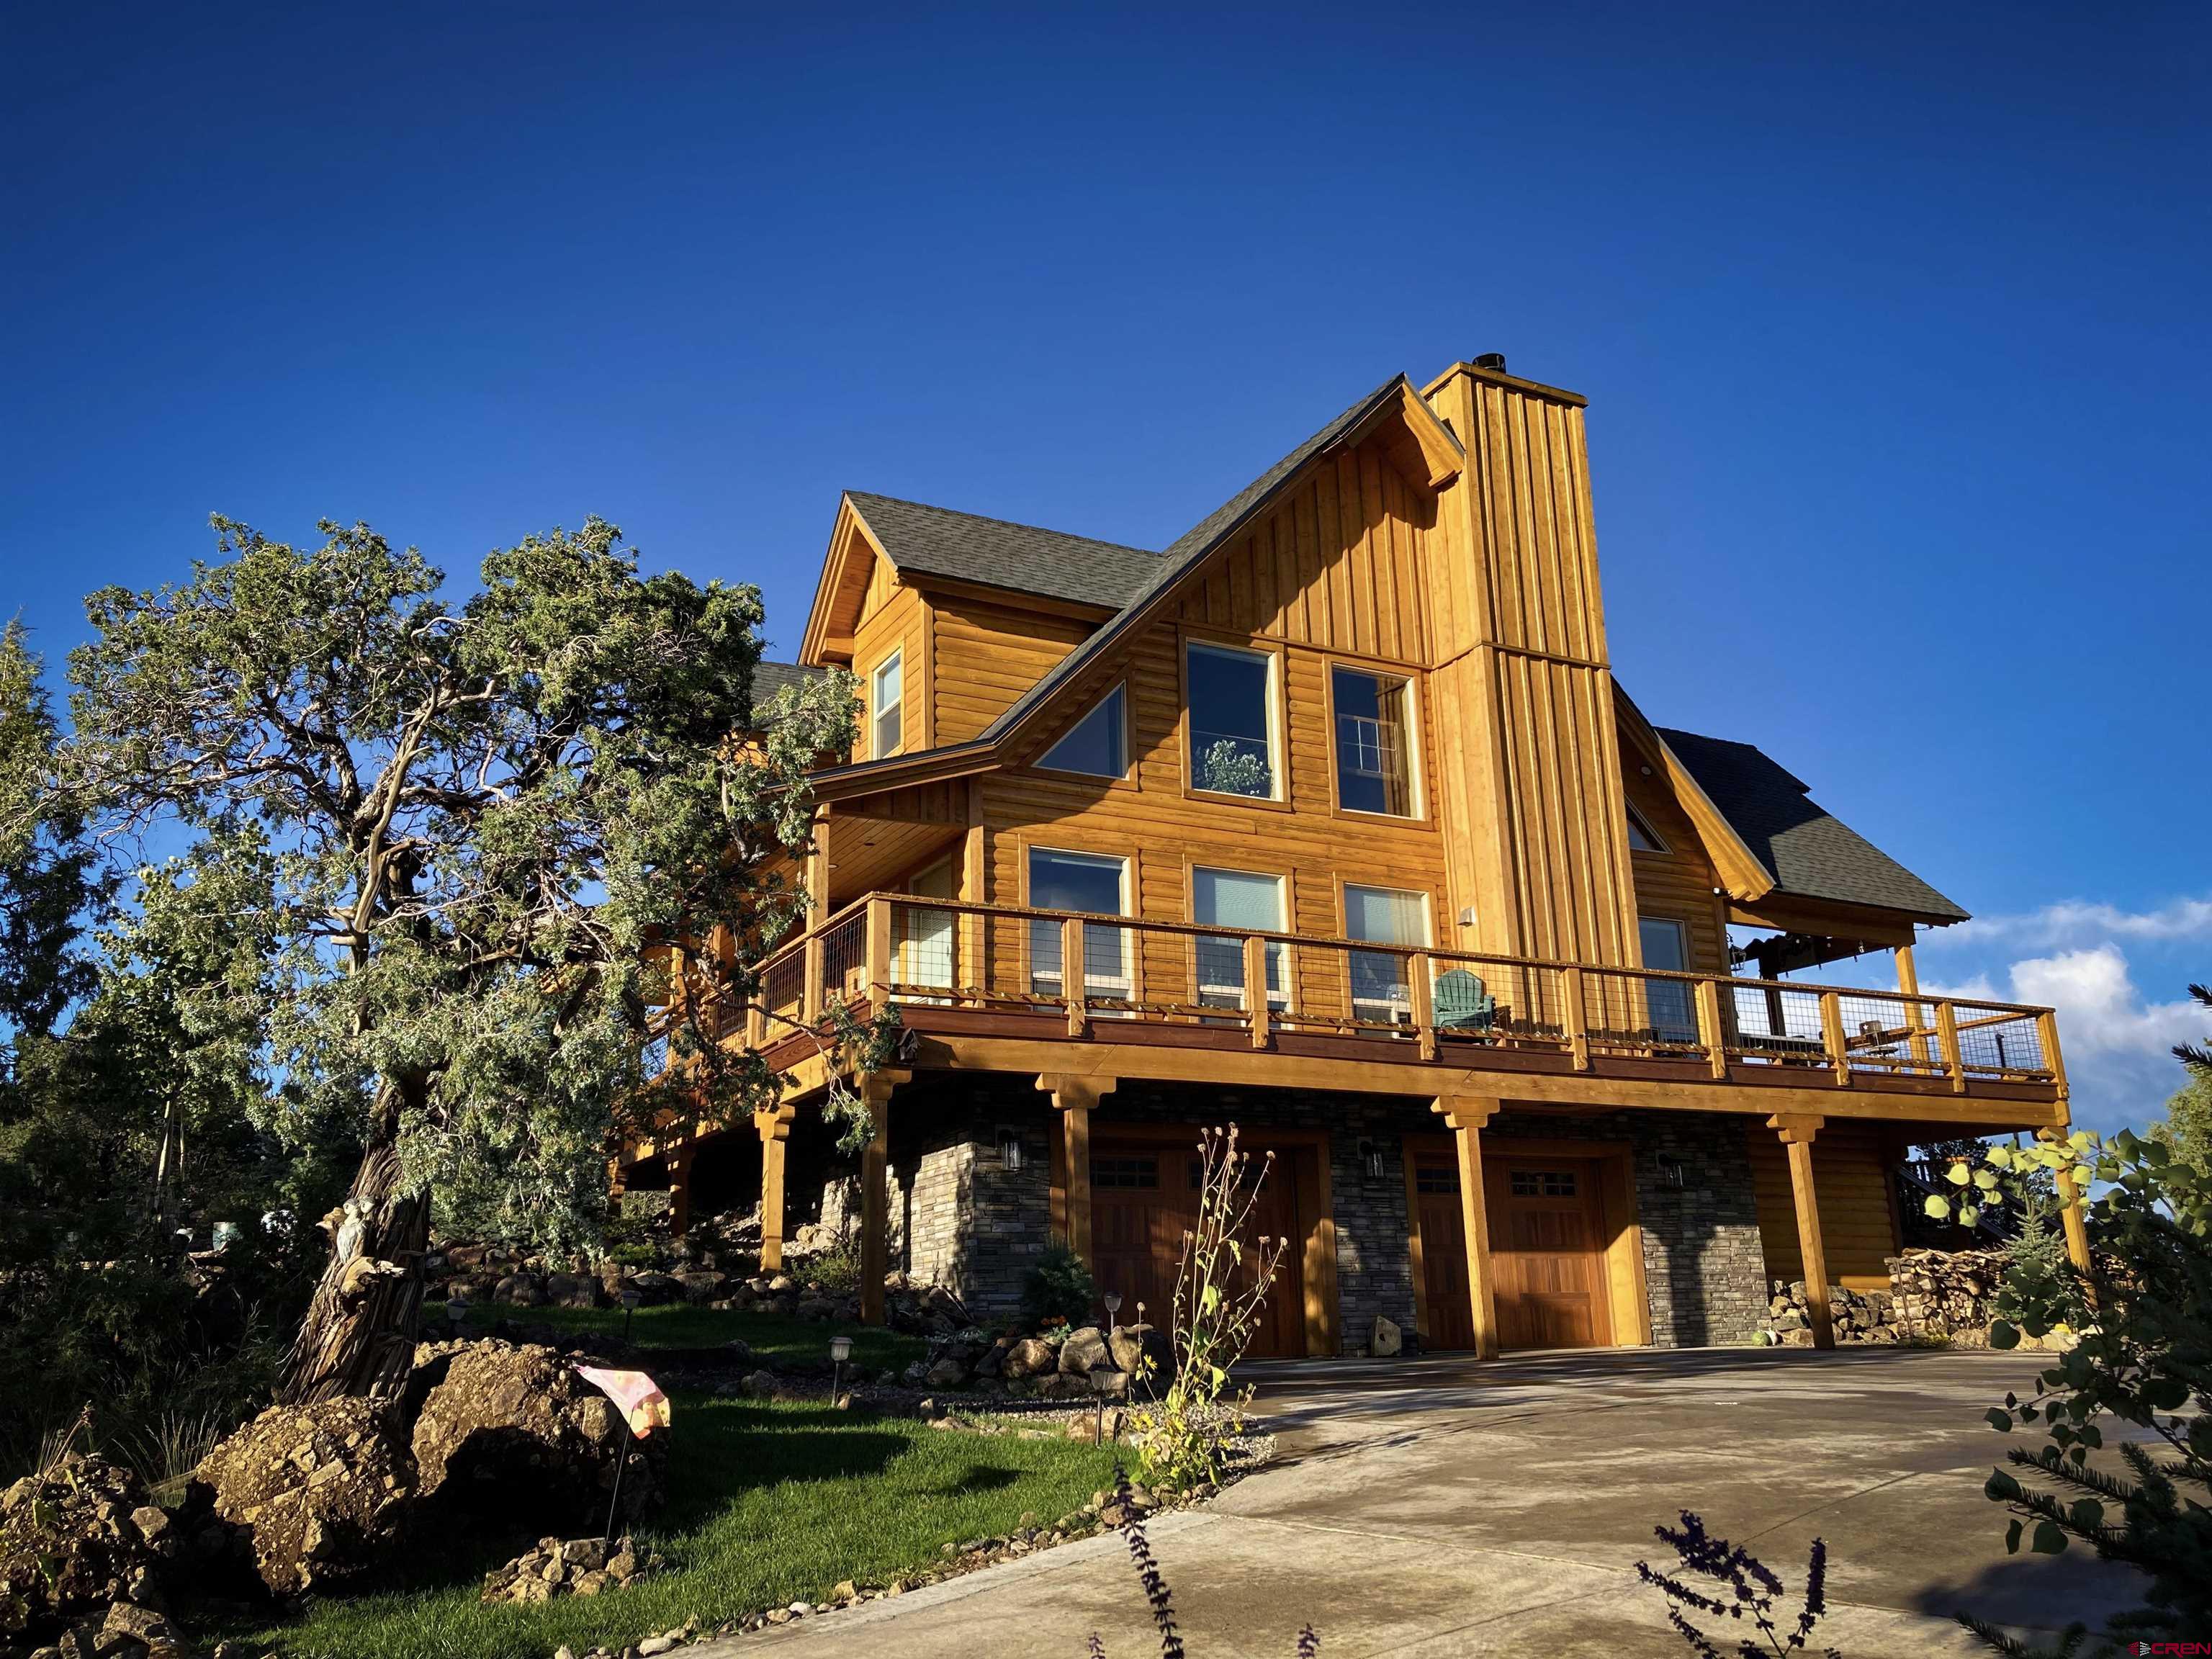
(1331, 820)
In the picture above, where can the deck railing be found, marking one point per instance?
(895, 949)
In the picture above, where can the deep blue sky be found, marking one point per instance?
(1892, 321)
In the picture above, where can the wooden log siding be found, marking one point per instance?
(1679, 883)
(894, 614)
(986, 656)
(1858, 1222)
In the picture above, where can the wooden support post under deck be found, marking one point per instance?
(679, 1187)
(1797, 1133)
(875, 1089)
(773, 1126)
(2070, 1204)
(1073, 1097)
(1467, 1115)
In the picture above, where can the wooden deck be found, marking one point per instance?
(1002, 987)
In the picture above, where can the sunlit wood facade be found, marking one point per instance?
(1331, 819)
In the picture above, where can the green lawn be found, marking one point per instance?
(768, 1505)
(776, 1338)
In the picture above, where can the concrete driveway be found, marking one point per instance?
(1437, 1507)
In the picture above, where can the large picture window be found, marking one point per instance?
(1097, 744)
(1374, 741)
(1380, 990)
(1252, 902)
(1233, 747)
(1096, 885)
(886, 706)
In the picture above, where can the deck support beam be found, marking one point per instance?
(875, 1089)
(1797, 1132)
(1072, 1097)
(773, 1126)
(1468, 1113)
(679, 1185)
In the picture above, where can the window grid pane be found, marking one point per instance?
(1374, 771)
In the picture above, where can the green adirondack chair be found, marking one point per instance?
(1461, 1002)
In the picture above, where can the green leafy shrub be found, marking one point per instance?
(1059, 1288)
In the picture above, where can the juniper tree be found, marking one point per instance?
(481, 823)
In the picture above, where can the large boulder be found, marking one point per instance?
(318, 1493)
(523, 1290)
(79, 1535)
(510, 1432)
(703, 1285)
(1083, 1349)
(655, 1288)
(1145, 1353)
(1029, 1358)
(571, 1290)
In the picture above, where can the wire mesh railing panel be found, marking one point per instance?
(1999, 1042)
(1888, 1034)
(783, 982)
(845, 958)
(1775, 1025)
(1639, 1014)
(926, 952)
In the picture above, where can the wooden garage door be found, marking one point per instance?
(1143, 1197)
(1547, 1252)
(1447, 1317)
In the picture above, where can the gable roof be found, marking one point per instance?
(770, 678)
(1807, 850)
(1187, 553)
(937, 541)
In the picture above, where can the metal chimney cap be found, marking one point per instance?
(1494, 359)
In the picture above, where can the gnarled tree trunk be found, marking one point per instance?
(359, 1334)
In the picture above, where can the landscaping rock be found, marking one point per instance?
(1083, 1348)
(1030, 1358)
(70, 1543)
(654, 1288)
(572, 1291)
(945, 1373)
(130, 1631)
(1386, 1341)
(318, 1493)
(576, 1566)
(701, 1286)
(1145, 1353)
(505, 1429)
(523, 1290)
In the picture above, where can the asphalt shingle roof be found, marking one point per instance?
(770, 678)
(1809, 850)
(937, 541)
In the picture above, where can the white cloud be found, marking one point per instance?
(2117, 1044)
(2076, 923)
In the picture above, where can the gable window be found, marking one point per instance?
(1233, 747)
(1673, 1014)
(1252, 902)
(886, 698)
(1381, 990)
(1642, 837)
(1098, 886)
(1096, 746)
(1374, 741)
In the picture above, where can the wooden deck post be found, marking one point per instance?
(1947, 1034)
(774, 1125)
(1908, 981)
(1074, 1096)
(1797, 1132)
(1832, 1039)
(1255, 990)
(1712, 1035)
(2070, 1205)
(875, 1089)
(1574, 1022)
(877, 939)
(812, 1003)
(679, 1187)
(1072, 971)
(1467, 1114)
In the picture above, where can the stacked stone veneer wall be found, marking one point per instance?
(975, 1226)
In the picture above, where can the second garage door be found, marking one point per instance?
(1143, 1197)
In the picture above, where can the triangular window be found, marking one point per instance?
(1642, 838)
(1096, 746)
